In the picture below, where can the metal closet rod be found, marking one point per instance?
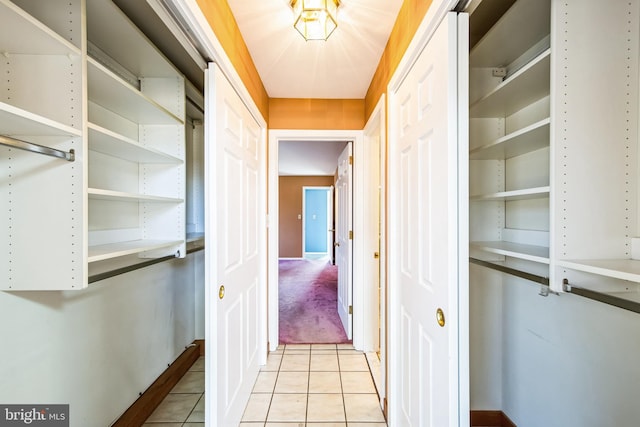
(599, 296)
(35, 148)
(512, 271)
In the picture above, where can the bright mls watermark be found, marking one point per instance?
(34, 415)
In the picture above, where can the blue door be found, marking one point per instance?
(316, 227)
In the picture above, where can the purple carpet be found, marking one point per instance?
(308, 291)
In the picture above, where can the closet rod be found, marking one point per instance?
(604, 298)
(122, 270)
(522, 274)
(35, 148)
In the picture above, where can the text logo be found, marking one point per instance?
(34, 415)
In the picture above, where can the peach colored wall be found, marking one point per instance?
(290, 200)
(298, 113)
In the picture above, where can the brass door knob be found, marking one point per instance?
(440, 317)
(221, 292)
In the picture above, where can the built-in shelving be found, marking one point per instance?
(28, 35)
(528, 85)
(113, 144)
(625, 269)
(119, 196)
(525, 140)
(119, 249)
(515, 250)
(16, 121)
(113, 93)
(524, 194)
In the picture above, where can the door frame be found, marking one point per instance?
(275, 137)
(377, 123)
(434, 16)
(330, 207)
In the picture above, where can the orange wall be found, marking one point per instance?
(409, 18)
(288, 113)
(290, 200)
(226, 30)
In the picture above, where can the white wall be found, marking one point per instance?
(98, 348)
(566, 361)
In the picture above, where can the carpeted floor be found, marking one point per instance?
(308, 304)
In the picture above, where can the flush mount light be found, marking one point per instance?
(315, 19)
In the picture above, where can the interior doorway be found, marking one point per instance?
(278, 138)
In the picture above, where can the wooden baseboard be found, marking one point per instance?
(490, 419)
(148, 401)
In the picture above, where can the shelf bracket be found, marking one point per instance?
(69, 156)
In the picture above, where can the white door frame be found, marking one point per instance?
(329, 216)
(356, 136)
(436, 13)
(374, 314)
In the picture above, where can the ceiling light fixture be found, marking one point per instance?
(315, 19)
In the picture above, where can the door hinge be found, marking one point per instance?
(350, 160)
(350, 309)
(350, 235)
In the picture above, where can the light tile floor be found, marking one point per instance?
(302, 385)
(184, 405)
(314, 385)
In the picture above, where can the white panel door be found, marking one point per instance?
(344, 243)
(424, 237)
(233, 250)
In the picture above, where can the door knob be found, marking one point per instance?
(336, 244)
(221, 292)
(440, 317)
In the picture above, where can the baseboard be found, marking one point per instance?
(148, 401)
(490, 419)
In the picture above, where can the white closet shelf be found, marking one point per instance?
(113, 144)
(16, 122)
(524, 194)
(115, 94)
(112, 31)
(529, 84)
(114, 250)
(119, 196)
(515, 250)
(22, 33)
(625, 269)
(526, 140)
(522, 26)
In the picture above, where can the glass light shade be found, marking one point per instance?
(315, 19)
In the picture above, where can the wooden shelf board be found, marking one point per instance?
(625, 269)
(118, 196)
(107, 142)
(114, 94)
(528, 193)
(515, 250)
(16, 122)
(23, 34)
(526, 140)
(524, 87)
(114, 250)
(522, 26)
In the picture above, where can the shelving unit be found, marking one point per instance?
(510, 136)
(136, 135)
(42, 217)
(596, 156)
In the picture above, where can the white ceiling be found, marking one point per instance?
(340, 68)
(309, 158)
